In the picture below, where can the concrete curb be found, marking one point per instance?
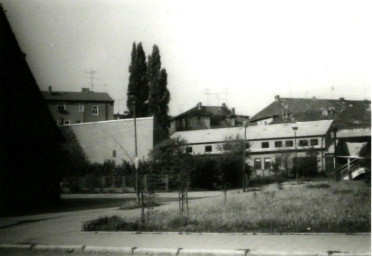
(59, 248)
(90, 249)
(196, 252)
(108, 249)
(16, 246)
(223, 233)
(156, 251)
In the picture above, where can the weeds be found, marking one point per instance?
(331, 207)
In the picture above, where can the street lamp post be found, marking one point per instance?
(130, 94)
(244, 148)
(295, 128)
(337, 171)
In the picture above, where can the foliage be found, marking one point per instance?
(170, 157)
(138, 82)
(159, 95)
(204, 174)
(230, 163)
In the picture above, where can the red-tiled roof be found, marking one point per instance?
(346, 113)
(77, 96)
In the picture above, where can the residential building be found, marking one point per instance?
(206, 117)
(352, 120)
(79, 107)
(267, 144)
(31, 161)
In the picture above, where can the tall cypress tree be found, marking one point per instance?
(158, 93)
(163, 99)
(138, 81)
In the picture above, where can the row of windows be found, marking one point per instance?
(207, 149)
(289, 143)
(278, 144)
(62, 107)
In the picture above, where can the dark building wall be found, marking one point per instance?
(30, 157)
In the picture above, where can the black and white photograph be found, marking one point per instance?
(185, 128)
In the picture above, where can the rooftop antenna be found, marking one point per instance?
(226, 95)
(217, 95)
(332, 92)
(206, 92)
(91, 73)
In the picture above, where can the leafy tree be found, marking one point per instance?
(138, 85)
(170, 157)
(159, 95)
(230, 164)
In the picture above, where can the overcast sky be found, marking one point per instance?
(253, 50)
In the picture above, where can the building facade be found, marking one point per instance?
(352, 121)
(79, 107)
(279, 143)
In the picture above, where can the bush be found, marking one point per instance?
(204, 176)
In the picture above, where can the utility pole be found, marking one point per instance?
(294, 128)
(244, 148)
(131, 94)
(337, 171)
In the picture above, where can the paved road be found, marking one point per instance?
(65, 229)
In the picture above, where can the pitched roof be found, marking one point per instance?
(205, 111)
(76, 96)
(346, 113)
(314, 128)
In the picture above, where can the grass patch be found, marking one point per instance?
(321, 185)
(325, 207)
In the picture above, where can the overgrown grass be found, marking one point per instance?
(325, 207)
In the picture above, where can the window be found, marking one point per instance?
(303, 143)
(189, 150)
(66, 122)
(258, 163)
(199, 122)
(208, 148)
(61, 106)
(267, 163)
(265, 144)
(289, 143)
(114, 153)
(314, 142)
(95, 110)
(278, 144)
(81, 107)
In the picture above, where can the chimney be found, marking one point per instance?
(277, 97)
(224, 105)
(85, 90)
(314, 98)
(233, 111)
(342, 99)
(199, 105)
(50, 89)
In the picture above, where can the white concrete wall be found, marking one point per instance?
(100, 139)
